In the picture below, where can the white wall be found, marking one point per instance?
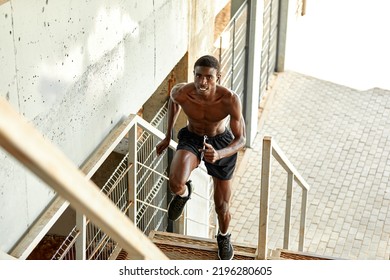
(345, 42)
(74, 69)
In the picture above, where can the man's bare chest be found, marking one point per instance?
(205, 111)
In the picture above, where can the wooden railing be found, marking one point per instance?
(271, 148)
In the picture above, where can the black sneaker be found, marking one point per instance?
(176, 206)
(225, 248)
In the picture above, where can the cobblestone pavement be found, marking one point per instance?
(338, 138)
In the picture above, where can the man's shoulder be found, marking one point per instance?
(227, 93)
(182, 87)
(180, 90)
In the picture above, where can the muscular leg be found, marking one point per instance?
(182, 164)
(222, 194)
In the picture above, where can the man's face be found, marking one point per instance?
(205, 78)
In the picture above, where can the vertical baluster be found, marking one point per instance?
(287, 218)
(132, 183)
(81, 241)
(303, 220)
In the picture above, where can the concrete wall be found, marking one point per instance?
(201, 40)
(74, 69)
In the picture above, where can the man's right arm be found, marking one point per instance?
(173, 113)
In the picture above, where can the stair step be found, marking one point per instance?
(283, 254)
(181, 247)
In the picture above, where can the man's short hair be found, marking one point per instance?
(208, 61)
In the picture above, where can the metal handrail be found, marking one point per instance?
(121, 173)
(229, 50)
(54, 168)
(129, 124)
(271, 148)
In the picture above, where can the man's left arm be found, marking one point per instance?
(237, 126)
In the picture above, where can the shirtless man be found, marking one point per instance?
(207, 105)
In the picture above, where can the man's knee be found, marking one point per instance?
(177, 185)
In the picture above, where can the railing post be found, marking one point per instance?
(132, 182)
(81, 241)
(287, 218)
(264, 200)
(303, 220)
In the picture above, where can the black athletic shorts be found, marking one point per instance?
(222, 169)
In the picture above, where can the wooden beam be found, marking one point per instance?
(303, 12)
(26, 144)
(262, 243)
(44, 222)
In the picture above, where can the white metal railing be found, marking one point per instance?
(67, 250)
(28, 146)
(148, 206)
(271, 148)
(98, 245)
(150, 198)
(138, 187)
(231, 50)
